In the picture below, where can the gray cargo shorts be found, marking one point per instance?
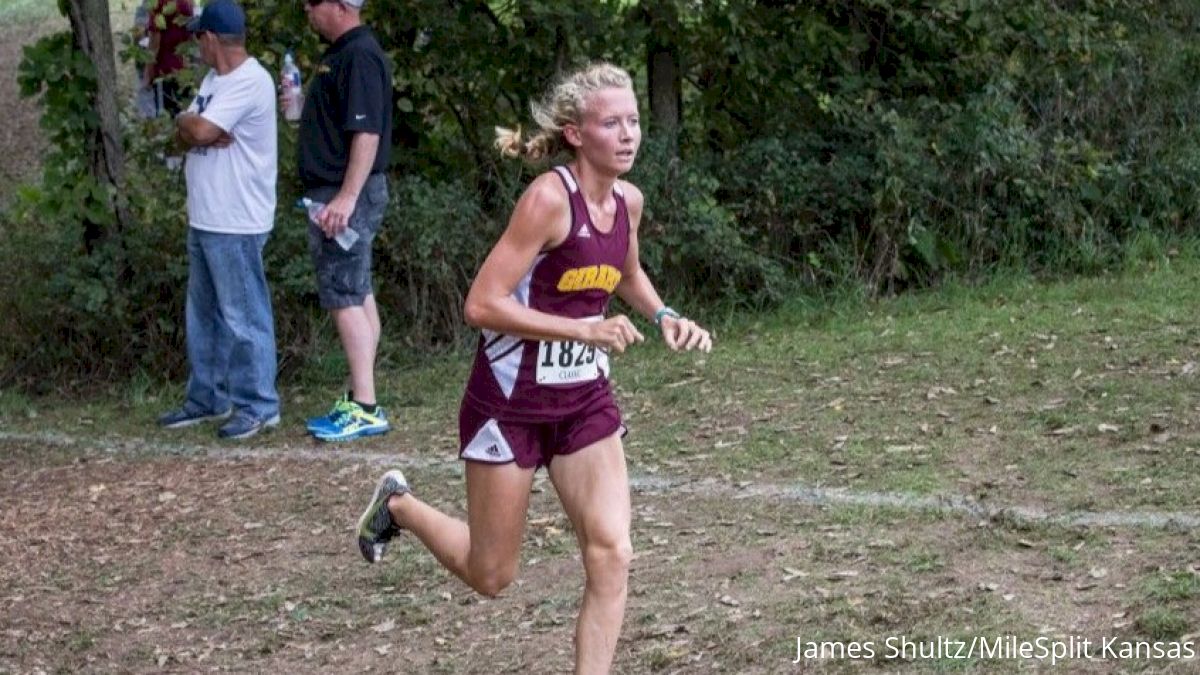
(344, 277)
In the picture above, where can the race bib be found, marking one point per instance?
(569, 362)
(566, 362)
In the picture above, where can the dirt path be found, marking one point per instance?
(125, 556)
(951, 505)
(21, 142)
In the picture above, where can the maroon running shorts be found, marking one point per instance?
(533, 444)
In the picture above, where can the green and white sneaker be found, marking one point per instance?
(376, 527)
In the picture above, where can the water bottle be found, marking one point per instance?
(345, 238)
(289, 83)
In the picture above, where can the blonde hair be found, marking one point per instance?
(561, 106)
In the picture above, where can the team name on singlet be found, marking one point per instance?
(602, 277)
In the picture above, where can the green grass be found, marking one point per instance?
(1162, 623)
(924, 562)
(1071, 395)
(1174, 586)
(1014, 378)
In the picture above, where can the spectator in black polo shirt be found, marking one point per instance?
(345, 138)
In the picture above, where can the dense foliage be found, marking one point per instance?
(877, 143)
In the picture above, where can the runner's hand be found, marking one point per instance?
(684, 334)
(615, 333)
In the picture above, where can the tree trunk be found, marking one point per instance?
(562, 51)
(665, 81)
(106, 156)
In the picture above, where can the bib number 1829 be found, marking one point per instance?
(566, 362)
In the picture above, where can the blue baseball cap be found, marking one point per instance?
(223, 17)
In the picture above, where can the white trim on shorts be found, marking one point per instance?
(489, 445)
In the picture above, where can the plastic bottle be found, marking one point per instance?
(289, 83)
(345, 238)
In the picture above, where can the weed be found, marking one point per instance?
(1162, 623)
(1168, 587)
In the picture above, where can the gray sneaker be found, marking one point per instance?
(244, 425)
(376, 527)
(186, 417)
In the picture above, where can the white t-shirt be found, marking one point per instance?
(231, 190)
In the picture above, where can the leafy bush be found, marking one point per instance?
(435, 237)
(691, 244)
(883, 144)
(73, 316)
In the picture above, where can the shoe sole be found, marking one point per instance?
(197, 420)
(269, 424)
(322, 428)
(365, 546)
(360, 433)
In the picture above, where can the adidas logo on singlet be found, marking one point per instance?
(584, 232)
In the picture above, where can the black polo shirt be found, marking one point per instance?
(351, 92)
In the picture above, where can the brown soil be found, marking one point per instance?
(21, 141)
(112, 563)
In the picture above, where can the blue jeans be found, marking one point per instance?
(230, 327)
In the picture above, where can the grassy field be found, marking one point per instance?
(1016, 459)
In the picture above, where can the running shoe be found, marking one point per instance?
(314, 424)
(187, 416)
(353, 422)
(376, 528)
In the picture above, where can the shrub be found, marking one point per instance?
(693, 245)
(880, 144)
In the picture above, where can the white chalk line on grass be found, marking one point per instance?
(318, 452)
(950, 504)
(797, 492)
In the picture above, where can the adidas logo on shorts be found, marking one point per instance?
(493, 450)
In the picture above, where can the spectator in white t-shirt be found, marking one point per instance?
(231, 166)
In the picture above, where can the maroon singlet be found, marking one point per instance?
(519, 380)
